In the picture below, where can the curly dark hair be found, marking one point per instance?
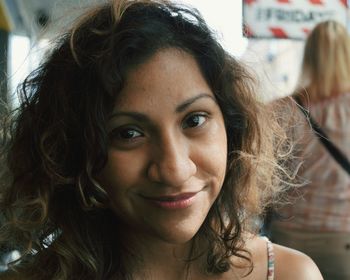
(52, 208)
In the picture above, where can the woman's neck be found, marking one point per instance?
(158, 259)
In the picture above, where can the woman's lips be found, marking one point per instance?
(179, 201)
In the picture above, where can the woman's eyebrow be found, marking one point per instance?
(182, 107)
(135, 115)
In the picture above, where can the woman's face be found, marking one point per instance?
(168, 149)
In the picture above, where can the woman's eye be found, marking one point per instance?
(126, 134)
(195, 120)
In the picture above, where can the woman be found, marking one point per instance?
(140, 152)
(318, 222)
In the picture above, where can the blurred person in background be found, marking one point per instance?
(317, 220)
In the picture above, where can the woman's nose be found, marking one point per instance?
(171, 163)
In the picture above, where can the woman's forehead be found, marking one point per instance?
(169, 75)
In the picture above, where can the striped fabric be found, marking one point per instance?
(323, 204)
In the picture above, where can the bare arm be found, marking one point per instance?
(291, 264)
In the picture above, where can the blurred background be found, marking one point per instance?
(268, 35)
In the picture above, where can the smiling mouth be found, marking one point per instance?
(180, 201)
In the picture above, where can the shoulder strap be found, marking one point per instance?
(270, 260)
(322, 136)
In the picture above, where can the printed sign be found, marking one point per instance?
(289, 18)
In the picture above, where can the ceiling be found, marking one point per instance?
(37, 18)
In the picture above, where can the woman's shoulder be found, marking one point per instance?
(290, 262)
(281, 262)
